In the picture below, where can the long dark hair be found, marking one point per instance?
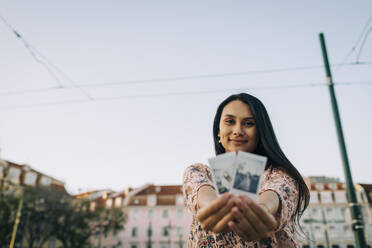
(267, 146)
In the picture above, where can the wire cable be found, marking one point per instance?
(182, 93)
(353, 49)
(33, 52)
(28, 47)
(216, 75)
(362, 45)
(172, 79)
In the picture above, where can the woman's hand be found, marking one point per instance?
(253, 221)
(217, 214)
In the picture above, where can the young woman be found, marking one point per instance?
(242, 124)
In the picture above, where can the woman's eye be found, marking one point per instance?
(249, 123)
(229, 121)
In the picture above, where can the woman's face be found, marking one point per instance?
(238, 130)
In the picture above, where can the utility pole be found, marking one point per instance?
(356, 215)
(16, 222)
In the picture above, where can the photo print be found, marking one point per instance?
(248, 172)
(223, 169)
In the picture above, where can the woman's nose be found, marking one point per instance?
(237, 130)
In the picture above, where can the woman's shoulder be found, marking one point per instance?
(278, 173)
(197, 168)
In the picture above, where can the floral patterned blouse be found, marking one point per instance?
(275, 179)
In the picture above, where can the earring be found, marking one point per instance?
(219, 138)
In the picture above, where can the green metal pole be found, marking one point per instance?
(356, 215)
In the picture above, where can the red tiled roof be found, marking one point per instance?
(162, 190)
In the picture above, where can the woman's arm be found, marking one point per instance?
(253, 221)
(269, 200)
(214, 212)
(206, 195)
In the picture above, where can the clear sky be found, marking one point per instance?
(138, 129)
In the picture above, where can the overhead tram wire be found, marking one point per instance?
(181, 94)
(353, 49)
(74, 84)
(175, 79)
(26, 44)
(362, 45)
(32, 50)
(216, 75)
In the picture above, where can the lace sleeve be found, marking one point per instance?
(195, 176)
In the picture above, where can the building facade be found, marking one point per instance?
(327, 221)
(156, 218)
(16, 175)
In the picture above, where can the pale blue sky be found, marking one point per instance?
(132, 141)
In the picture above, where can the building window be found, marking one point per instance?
(318, 232)
(347, 231)
(332, 231)
(109, 203)
(30, 178)
(151, 200)
(118, 202)
(340, 196)
(150, 214)
(326, 196)
(46, 181)
(133, 246)
(134, 231)
(165, 213)
(164, 231)
(179, 199)
(316, 214)
(135, 214)
(14, 174)
(330, 214)
(314, 197)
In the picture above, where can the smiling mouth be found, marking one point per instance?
(238, 142)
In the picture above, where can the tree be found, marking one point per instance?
(39, 210)
(8, 209)
(52, 213)
(76, 226)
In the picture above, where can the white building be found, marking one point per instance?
(156, 218)
(327, 220)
